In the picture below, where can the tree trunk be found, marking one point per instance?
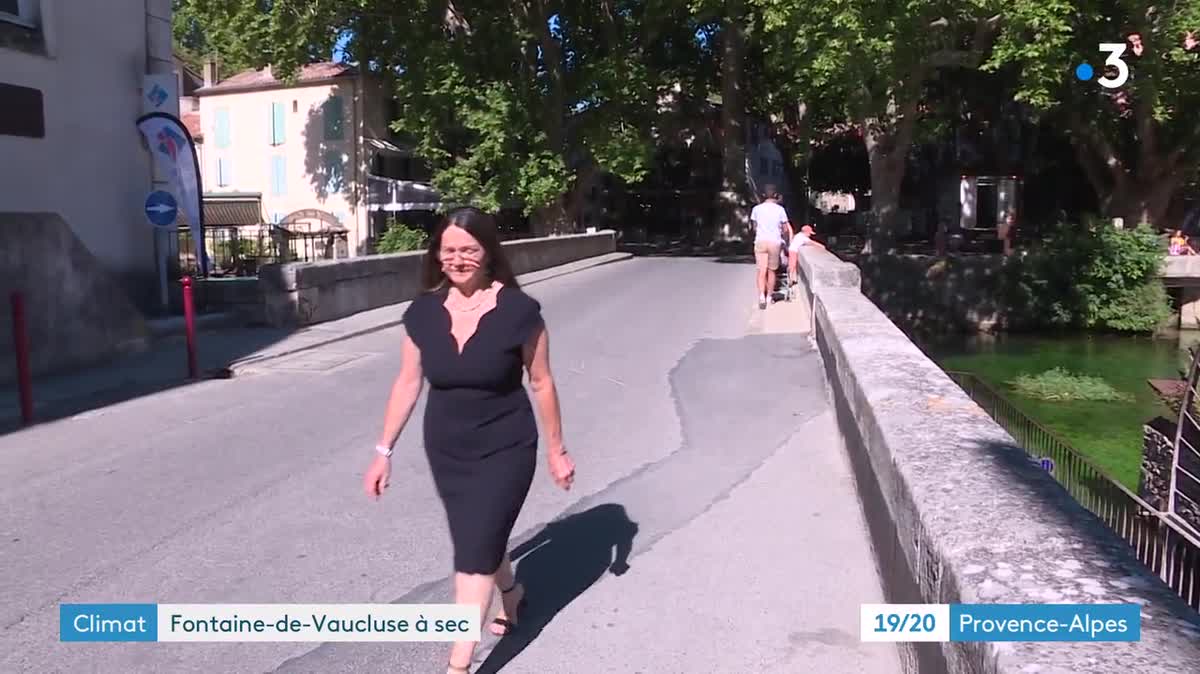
(792, 136)
(886, 178)
(734, 199)
(1138, 192)
(888, 139)
(565, 214)
(552, 219)
(1139, 201)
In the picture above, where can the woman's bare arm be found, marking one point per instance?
(405, 391)
(545, 393)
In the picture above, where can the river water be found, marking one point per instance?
(1108, 432)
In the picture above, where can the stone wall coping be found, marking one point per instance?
(292, 276)
(1175, 266)
(976, 519)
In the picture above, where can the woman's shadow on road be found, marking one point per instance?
(559, 564)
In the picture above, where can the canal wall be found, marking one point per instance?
(959, 513)
(926, 294)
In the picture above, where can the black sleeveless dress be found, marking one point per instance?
(480, 432)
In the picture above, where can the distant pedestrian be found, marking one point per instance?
(1006, 231)
(1180, 245)
(770, 227)
(481, 435)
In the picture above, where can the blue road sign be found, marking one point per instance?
(161, 208)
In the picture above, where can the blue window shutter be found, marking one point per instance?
(333, 113)
(278, 134)
(222, 127)
(278, 176)
(224, 172)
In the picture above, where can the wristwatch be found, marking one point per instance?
(385, 451)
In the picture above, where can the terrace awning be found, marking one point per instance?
(232, 211)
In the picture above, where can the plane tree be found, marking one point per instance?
(1139, 142)
(514, 103)
(867, 63)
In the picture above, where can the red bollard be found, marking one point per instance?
(21, 344)
(189, 321)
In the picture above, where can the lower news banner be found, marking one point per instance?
(268, 622)
(1000, 622)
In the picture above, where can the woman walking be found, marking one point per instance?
(470, 334)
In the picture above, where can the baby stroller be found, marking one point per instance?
(783, 281)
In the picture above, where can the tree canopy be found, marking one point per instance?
(1138, 143)
(513, 103)
(519, 103)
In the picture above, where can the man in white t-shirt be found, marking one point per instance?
(770, 223)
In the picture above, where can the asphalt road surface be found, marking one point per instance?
(714, 525)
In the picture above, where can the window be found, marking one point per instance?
(24, 12)
(332, 112)
(335, 171)
(278, 175)
(340, 216)
(277, 124)
(778, 168)
(221, 129)
(764, 167)
(22, 113)
(224, 172)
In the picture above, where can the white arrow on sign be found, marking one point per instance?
(160, 208)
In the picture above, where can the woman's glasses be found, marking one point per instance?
(471, 253)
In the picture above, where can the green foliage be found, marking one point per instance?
(506, 100)
(401, 238)
(1090, 276)
(225, 29)
(1138, 143)
(1058, 384)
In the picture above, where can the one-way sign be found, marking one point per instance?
(161, 208)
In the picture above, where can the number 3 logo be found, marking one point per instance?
(1114, 49)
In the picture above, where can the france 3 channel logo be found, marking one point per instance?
(1000, 622)
(1084, 72)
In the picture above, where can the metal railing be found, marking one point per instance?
(241, 250)
(1165, 547)
(232, 251)
(392, 194)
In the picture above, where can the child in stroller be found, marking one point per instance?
(784, 273)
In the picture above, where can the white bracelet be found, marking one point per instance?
(383, 451)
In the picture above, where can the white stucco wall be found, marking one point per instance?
(90, 167)
(249, 153)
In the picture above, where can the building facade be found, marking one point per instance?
(71, 90)
(318, 149)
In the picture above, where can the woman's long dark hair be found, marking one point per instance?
(482, 227)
